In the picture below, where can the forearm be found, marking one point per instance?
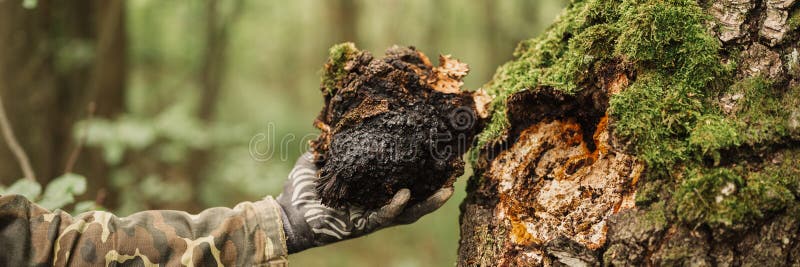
(248, 234)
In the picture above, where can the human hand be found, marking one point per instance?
(308, 223)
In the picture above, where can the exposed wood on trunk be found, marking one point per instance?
(562, 186)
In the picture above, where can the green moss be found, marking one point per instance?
(701, 196)
(670, 115)
(589, 46)
(714, 133)
(761, 116)
(648, 192)
(558, 58)
(665, 36)
(334, 69)
(656, 215)
(652, 114)
(681, 254)
(791, 103)
(732, 197)
(794, 19)
(786, 173)
(663, 113)
(670, 36)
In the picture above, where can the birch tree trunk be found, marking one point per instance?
(638, 132)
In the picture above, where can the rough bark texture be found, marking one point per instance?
(391, 123)
(639, 132)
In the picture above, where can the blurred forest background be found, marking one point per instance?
(166, 96)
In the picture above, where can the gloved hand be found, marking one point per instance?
(308, 223)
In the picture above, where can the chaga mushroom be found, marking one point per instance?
(392, 123)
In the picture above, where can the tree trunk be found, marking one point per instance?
(344, 15)
(211, 76)
(55, 59)
(638, 132)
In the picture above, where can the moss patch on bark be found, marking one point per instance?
(685, 111)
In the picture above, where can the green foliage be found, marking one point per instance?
(172, 132)
(711, 197)
(271, 56)
(30, 4)
(59, 193)
(62, 191)
(24, 187)
(114, 137)
(786, 173)
(86, 205)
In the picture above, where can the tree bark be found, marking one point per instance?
(643, 133)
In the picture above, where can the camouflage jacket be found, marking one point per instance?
(250, 234)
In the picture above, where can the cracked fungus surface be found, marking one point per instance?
(551, 184)
(391, 123)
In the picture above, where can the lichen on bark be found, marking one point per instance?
(703, 94)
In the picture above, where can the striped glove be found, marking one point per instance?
(308, 223)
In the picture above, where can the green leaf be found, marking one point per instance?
(113, 152)
(25, 187)
(136, 134)
(29, 4)
(84, 206)
(62, 191)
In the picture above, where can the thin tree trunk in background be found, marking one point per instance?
(54, 59)
(343, 20)
(493, 34)
(109, 70)
(106, 86)
(437, 12)
(213, 61)
(211, 78)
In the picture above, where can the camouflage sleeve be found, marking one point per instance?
(250, 234)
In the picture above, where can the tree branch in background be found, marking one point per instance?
(344, 14)
(76, 151)
(214, 58)
(211, 77)
(19, 153)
